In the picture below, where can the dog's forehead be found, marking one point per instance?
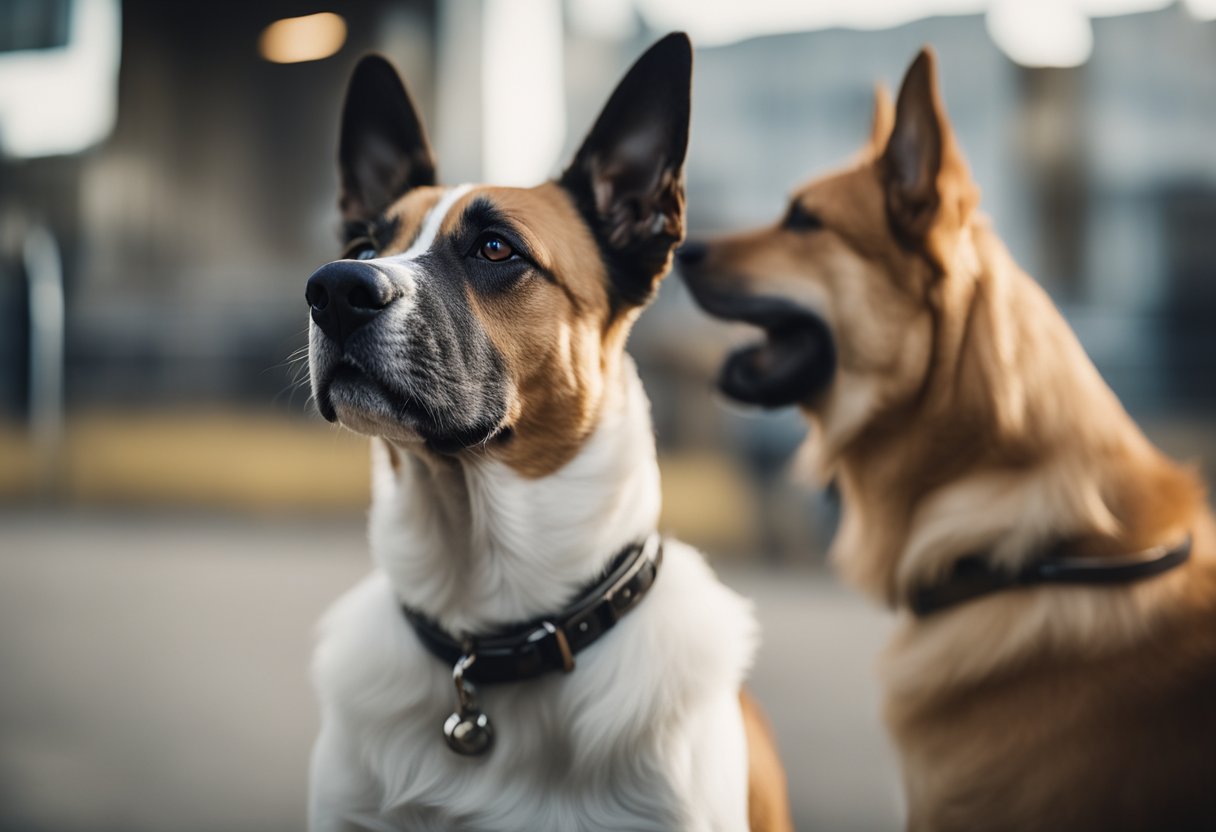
(403, 218)
(543, 217)
(841, 191)
(420, 210)
(536, 213)
(850, 202)
(547, 221)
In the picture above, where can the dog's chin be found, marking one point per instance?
(792, 365)
(360, 403)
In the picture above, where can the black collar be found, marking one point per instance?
(524, 651)
(975, 576)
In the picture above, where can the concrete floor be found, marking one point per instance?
(153, 674)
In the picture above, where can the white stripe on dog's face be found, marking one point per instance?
(398, 267)
(432, 223)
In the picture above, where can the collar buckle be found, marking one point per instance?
(548, 629)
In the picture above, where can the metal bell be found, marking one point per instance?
(468, 730)
(469, 733)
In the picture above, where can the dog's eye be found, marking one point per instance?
(800, 219)
(494, 248)
(362, 249)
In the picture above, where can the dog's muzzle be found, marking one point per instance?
(794, 363)
(392, 355)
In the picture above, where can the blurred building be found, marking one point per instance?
(186, 234)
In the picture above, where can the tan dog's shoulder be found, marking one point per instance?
(768, 808)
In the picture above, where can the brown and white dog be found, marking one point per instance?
(478, 333)
(1056, 664)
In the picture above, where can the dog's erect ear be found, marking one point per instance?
(913, 158)
(382, 150)
(928, 189)
(883, 120)
(628, 177)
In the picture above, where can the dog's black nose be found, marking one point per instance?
(346, 294)
(692, 253)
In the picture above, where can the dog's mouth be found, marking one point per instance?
(354, 397)
(350, 393)
(793, 364)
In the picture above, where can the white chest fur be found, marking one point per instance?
(644, 734)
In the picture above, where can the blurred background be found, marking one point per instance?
(174, 515)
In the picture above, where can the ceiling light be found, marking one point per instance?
(1041, 33)
(1201, 9)
(294, 40)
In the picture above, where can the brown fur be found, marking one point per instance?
(768, 808)
(558, 337)
(965, 417)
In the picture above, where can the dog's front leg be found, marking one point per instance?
(342, 796)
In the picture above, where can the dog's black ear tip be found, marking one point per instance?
(923, 68)
(371, 61)
(372, 67)
(678, 43)
(669, 57)
(375, 93)
(678, 47)
(374, 84)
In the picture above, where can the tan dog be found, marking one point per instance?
(1056, 667)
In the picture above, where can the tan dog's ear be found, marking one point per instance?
(884, 119)
(929, 193)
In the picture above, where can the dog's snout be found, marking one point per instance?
(345, 295)
(692, 253)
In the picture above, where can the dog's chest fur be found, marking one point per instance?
(613, 745)
(644, 734)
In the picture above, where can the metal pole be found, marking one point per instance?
(44, 272)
